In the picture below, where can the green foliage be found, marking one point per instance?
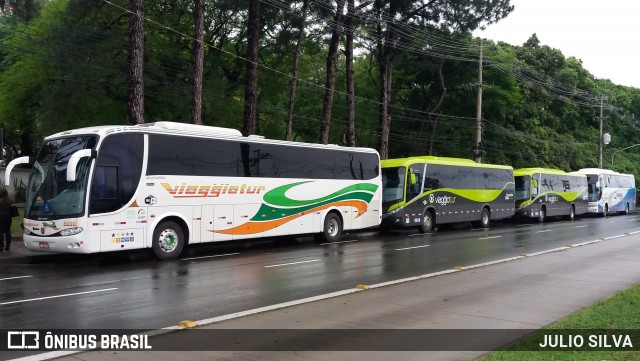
(64, 66)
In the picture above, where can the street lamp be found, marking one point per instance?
(618, 150)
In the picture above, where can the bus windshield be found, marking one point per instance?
(49, 195)
(392, 186)
(523, 188)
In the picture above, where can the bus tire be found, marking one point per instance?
(168, 240)
(427, 223)
(626, 210)
(572, 213)
(542, 215)
(485, 218)
(332, 228)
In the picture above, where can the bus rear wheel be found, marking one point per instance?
(485, 218)
(427, 223)
(331, 230)
(626, 210)
(168, 240)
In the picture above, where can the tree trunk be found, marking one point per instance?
(294, 74)
(251, 74)
(198, 63)
(386, 58)
(135, 106)
(351, 101)
(332, 58)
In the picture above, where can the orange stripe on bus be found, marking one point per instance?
(258, 227)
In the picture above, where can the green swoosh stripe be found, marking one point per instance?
(277, 196)
(272, 213)
(476, 195)
(567, 196)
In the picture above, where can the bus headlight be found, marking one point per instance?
(71, 231)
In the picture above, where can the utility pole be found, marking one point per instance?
(601, 135)
(477, 152)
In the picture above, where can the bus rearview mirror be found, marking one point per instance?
(74, 159)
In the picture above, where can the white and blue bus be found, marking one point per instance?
(610, 191)
(165, 185)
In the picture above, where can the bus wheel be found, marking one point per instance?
(427, 223)
(332, 229)
(168, 240)
(626, 210)
(542, 215)
(572, 214)
(485, 218)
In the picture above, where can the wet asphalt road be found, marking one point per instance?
(134, 290)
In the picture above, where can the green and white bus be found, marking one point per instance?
(543, 193)
(425, 191)
(165, 185)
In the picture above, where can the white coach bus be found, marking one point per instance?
(165, 185)
(610, 191)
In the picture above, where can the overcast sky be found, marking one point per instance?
(604, 34)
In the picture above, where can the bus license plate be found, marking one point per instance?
(44, 245)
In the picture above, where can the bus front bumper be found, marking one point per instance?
(68, 244)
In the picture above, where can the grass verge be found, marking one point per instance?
(619, 312)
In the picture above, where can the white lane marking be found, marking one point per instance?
(631, 220)
(403, 249)
(546, 230)
(490, 237)
(215, 255)
(613, 237)
(14, 278)
(289, 264)
(58, 296)
(586, 225)
(271, 307)
(636, 232)
(330, 243)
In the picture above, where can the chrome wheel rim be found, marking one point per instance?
(427, 223)
(332, 227)
(168, 240)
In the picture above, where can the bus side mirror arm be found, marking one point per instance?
(75, 158)
(11, 165)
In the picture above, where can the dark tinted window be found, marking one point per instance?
(172, 155)
(462, 177)
(117, 172)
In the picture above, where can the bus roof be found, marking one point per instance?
(429, 159)
(202, 131)
(601, 171)
(530, 171)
